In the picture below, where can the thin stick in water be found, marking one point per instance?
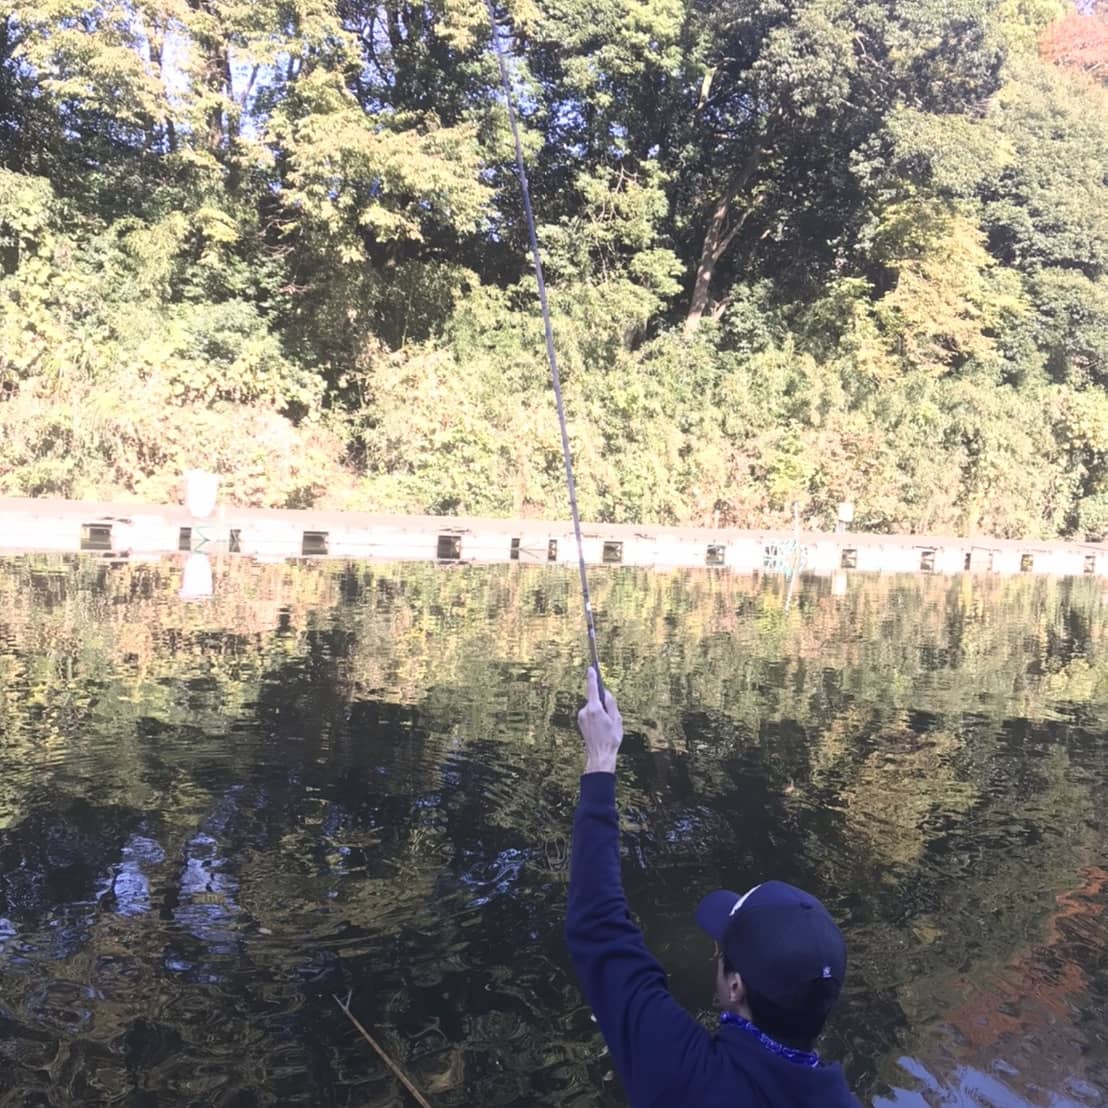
(397, 1072)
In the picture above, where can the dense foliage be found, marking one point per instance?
(799, 251)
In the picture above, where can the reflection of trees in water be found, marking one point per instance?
(1032, 1012)
(335, 777)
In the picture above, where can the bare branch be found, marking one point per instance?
(397, 1072)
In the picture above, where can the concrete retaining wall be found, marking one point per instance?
(138, 531)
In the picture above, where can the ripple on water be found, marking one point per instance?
(212, 817)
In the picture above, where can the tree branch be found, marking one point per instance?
(398, 1073)
(249, 88)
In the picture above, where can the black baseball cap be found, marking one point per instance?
(783, 943)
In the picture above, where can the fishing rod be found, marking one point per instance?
(567, 458)
(552, 357)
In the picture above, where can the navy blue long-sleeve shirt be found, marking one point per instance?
(664, 1056)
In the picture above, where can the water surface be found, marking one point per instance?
(214, 815)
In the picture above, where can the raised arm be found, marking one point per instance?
(658, 1049)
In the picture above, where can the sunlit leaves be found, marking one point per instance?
(304, 218)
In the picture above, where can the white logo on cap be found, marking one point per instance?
(743, 899)
(826, 971)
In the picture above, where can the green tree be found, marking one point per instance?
(797, 252)
(794, 100)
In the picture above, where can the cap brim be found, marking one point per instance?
(714, 912)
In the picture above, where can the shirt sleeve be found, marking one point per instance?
(654, 1043)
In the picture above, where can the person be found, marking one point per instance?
(780, 966)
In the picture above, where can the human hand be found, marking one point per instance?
(602, 730)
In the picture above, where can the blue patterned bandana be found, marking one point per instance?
(799, 1057)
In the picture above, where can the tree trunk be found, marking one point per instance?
(705, 270)
(156, 37)
(215, 74)
(214, 48)
(721, 232)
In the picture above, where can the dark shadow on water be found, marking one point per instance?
(362, 778)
